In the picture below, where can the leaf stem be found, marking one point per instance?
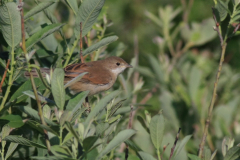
(9, 80)
(40, 112)
(214, 95)
(158, 154)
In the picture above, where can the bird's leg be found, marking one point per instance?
(87, 105)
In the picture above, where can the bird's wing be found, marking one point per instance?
(95, 75)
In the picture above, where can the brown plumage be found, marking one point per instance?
(101, 74)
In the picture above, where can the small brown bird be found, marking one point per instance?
(101, 74)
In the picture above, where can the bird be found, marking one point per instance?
(101, 74)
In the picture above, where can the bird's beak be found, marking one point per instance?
(129, 66)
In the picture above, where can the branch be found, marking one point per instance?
(40, 112)
(175, 143)
(164, 148)
(214, 95)
(81, 56)
(216, 28)
(4, 75)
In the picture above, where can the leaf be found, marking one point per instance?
(213, 155)
(142, 122)
(75, 103)
(207, 153)
(222, 8)
(157, 130)
(23, 141)
(40, 97)
(193, 157)
(44, 32)
(101, 105)
(100, 44)
(11, 149)
(10, 22)
(233, 153)
(57, 86)
(34, 114)
(132, 145)
(117, 140)
(74, 80)
(73, 4)
(38, 9)
(89, 142)
(52, 158)
(159, 73)
(194, 82)
(181, 145)
(78, 113)
(146, 156)
(72, 130)
(49, 129)
(5, 132)
(24, 87)
(87, 14)
(15, 121)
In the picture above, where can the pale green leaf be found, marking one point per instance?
(117, 140)
(146, 156)
(39, 35)
(11, 149)
(23, 141)
(157, 130)
(10, 22)
(100, 44)
(87, 14)
(233, 153)
(57, 86)
(73, 4)
(38, 9)
(101, 105)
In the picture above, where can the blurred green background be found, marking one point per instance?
(175, 53)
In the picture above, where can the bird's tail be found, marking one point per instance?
(34, 72)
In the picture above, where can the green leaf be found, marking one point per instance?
(207, 153)
(100, 44)
(73, 4)
(194, 82)
(222, 8)
(157, 130)
(132, 145)
(78, 113)
(5, 132)
(193, 157)
(87, 14)
(117, 140)
(10, 22)
(101, 128)
(23, 141)
(213, 155)
(49, 129)
(34, 114)
(89, 142)
(233, 153)
(18, 94)
(52, 158)
(44, 32)
(158, 69)
(101, 105)
(11, 149)
(40, 97)
(75, 103)
(15, 121)
(57, 86)
(146, 156)
(72, 130)
(74, 80)
(142, 122)
(181, 145)
(37, 9)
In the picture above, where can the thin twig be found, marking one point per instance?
(164, 148)
(217, 27)
(40, 112)
(81, 56)
(4, 75)
(175, 143)
(214, 95)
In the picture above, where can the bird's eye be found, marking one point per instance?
(118, 64)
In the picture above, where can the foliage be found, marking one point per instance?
(176, 81)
